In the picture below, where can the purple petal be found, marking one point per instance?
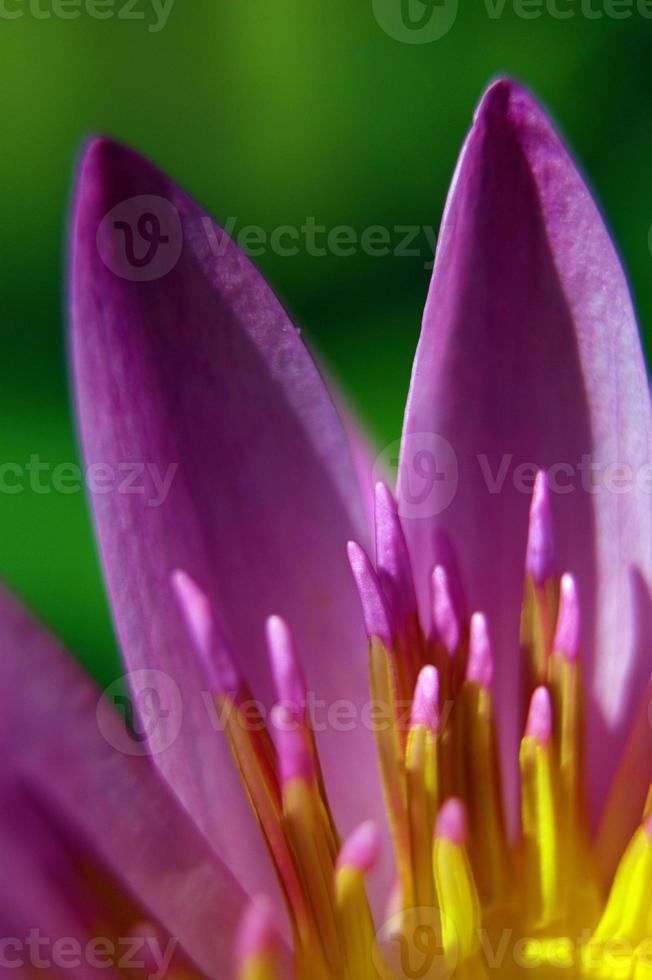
(625, 802)
(368, 467)
(201, 369)
(629, 790)
(75, 802)
(529, 354)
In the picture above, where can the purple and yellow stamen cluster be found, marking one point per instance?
(488, 904)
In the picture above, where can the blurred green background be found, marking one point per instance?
(269, 113)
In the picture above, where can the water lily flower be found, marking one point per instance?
(414, 745)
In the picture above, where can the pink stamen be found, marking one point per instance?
(207, 637)
(285, 663)
(361, 849)
(257, 935)
(425, 706)
(446, 622)
(451, 822)
(539, 721)
(294, 750)
(540, 560)
(392, 557)
(567, 634)
(480, 668)
(374, 606)
(445, 556)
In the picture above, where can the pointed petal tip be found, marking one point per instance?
(539, 720)
(540, 560)
(258, 935)
(498, 96)
(480, 668)
(101, 157)
(451, 822)
(567, 633)
(361, 849)
(425, 706)
(111, 174)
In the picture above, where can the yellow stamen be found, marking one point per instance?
(541, 836)
(483, 794)
(356, 924)
(422, 796)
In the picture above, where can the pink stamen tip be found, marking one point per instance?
(285, 663)
(567, 634)
(540, 560)
(447, 626)
(480, 668)
(361, 849)
(374, 606)
(539, 720)
(257, 935)
(451, 822)
(385, 512)
(425, 706)
(208, 639)
(294, 750)
(392, 556)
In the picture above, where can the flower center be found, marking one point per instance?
(468, 901)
